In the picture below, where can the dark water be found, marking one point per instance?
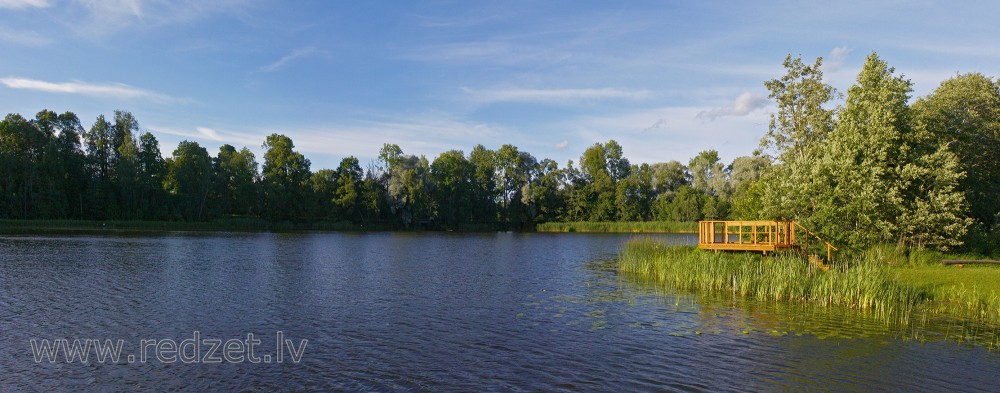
(467, 312)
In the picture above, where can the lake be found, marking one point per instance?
(426, 311)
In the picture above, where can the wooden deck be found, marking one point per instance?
(758, 236)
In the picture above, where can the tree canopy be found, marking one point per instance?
(875, 169)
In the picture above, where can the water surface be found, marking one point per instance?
(403, 311)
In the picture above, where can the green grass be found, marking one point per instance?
(620, 226)
(884, 282)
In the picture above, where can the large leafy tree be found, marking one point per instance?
(285, 178)
(348, 195)
(151, 173)
(236, 183)
(964, 112)
(20, 147)
(886, 184)
(796, 134)
(453, 189)
(484, 186)
(100, 150)
(189, 179)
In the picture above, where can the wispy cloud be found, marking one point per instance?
(109, 90)
(295, 55)
(554, 96)
(24, 38)
(836, 58)
(97, 19)
(744, 104)
(562, 145)
(22, 4)
(211, 134)
(659, 124)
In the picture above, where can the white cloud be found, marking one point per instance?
(684, 138)
(22, 4)
(208, 133)
(296, 54)
(836, 58)
(554, 96)
(562, 145)
(111, 90)
(744, 104)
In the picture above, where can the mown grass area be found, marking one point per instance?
(882, 281)
(622, 226)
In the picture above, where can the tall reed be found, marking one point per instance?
(867, 286)
(619, 226)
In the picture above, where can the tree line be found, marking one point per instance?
(875, 169)
(53, 168)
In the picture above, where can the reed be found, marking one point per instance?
(620, 226)
(879, 281)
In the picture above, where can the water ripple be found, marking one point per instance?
(416, 312)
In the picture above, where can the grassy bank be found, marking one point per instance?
(623, 226)
(876, 282)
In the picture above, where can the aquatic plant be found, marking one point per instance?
(867, 281)
(621, 226)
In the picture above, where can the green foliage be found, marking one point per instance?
(964, 113)
(236, 188)
(872, 171)
(189, 179)
(285, 179)
(869, 176)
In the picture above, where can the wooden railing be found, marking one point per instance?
(763, 236)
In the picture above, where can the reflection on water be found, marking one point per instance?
(386, 311)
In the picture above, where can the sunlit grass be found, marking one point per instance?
(623, 226)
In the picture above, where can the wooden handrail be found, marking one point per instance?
(828, 245)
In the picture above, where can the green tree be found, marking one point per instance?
(347, 197)
(708, 174)
(21, 146)
(885, 182)
(323, 184)
(100, 191)
(484, 186)
(152, 172)
(409, 185)
(454, 191)
(189, 179)
(236, 181)
(599, 188)
(797, 133)
(285, 180)
(635, 194)
(964, 112)
(687, 205)
(73, 162)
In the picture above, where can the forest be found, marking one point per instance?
(871, 167)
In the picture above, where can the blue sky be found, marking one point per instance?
(666, 79)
